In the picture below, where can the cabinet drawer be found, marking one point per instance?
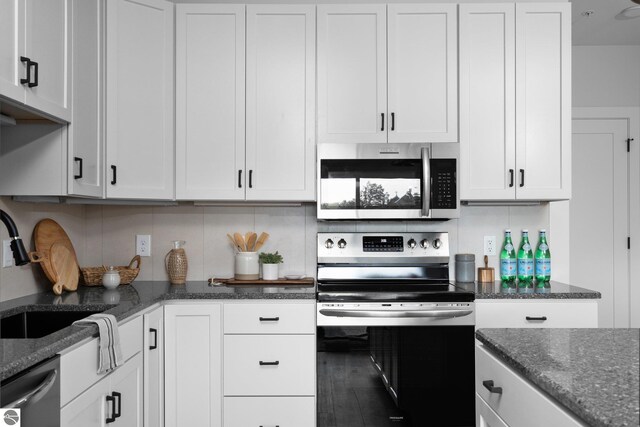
(520, 403)
(525, 314)
(269, 318)
(269, 411)
(79, 367)
(287, 369)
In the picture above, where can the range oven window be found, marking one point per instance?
(371, 184)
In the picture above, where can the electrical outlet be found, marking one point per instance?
(489, 245)
(7, 254)
(143, 244)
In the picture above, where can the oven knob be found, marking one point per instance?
(424, 243)
(437, 243)
(328, 244)
(342, 243)
(411, 243)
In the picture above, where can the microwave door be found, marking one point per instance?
(426, 183)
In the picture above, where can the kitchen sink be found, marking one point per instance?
(37, 324)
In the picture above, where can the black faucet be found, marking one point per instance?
(19, 253)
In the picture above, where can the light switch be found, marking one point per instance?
(7, 254)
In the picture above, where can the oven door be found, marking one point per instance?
(379, 367)
(384, 181)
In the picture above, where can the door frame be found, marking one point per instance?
(559, 211)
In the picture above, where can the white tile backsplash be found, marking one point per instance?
(106, 235)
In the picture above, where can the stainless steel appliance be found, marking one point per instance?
(388, 181)
(36, 392)
(395, 338)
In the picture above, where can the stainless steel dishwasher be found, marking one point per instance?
(36, 392)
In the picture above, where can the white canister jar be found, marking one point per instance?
(111, 278)
(269, 271)
(247, 266)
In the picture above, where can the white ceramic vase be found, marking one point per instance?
(247, 266)
(269, 271)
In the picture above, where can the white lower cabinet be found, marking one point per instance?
(537, 314)
(153, 351)
(269, 411)
(193, 364)
(518, 403)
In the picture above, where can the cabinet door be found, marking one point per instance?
(153, 345)
(487, 102)
(48, 43)
(423, 73)
(543, 100)
(86, 132)
(210, 101)
(352, 73)
(126, 387)
(193, 365)
(485, 417)
(11, 48)
(89, 409)
(140, 99)
(280, 102)
(269, 411)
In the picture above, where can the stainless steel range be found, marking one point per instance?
(395, 337)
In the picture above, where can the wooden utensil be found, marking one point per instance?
(263, 238)
(63, 263)
(45, 234)
(233, 243)
(485, 274)
(251, 241)
(237, 237)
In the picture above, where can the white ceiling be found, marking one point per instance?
(601, 28)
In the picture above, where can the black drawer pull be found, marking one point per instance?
(541, 318)
(269, 319)
(114, 179)
(276, 363)
(393, 121)
(276, 425)
(250, 178)
(240, 178)
(79, 160)
(488, 384)
(112, 418)
(382, 127)
(26, 80)
(155, 339)
(521, 177)
(117, 395)
(510, 178)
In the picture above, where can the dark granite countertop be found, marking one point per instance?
(123, 302)
(554, 290)
(594, 373)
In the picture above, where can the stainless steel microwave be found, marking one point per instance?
(388, 181)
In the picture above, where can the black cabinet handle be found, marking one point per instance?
(276, 425)
(28, 79)
(269, 319)
(35, 83)
(118, 412)
(240, 178)
(113, 409)
(276, 363)
(393, 121)
(155, 338)
(250, 178)
(541, 318)
(488, 384)
(382, 127)
(79, 160)
(510, 177)
(521, 177)
(115, 176)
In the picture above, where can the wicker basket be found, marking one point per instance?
(93, 275)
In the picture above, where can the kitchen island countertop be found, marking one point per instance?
(593, 373)
(554, 290)
(123, 302)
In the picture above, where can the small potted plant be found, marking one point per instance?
(270, 263)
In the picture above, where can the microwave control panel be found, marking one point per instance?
(443, 184)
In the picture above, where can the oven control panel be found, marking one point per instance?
(385, 245)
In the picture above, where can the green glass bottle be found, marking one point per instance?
(525, 262)
(542, 260)
(508, 261)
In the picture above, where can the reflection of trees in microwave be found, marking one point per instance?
(345, 204)
(373, 195)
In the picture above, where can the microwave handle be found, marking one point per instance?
(426, 182)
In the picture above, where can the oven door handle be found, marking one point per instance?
(426, 182)
(37, 393)
(438, 314)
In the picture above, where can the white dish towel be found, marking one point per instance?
(110, 352)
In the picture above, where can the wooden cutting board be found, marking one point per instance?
(65, 267)
(45, 234)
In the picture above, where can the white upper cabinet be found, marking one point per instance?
(515, 101)
(422, 62)
(210, 101)
(352, 73)
(417, 44)
(35, 52)
(280, 155)
(139, 92)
